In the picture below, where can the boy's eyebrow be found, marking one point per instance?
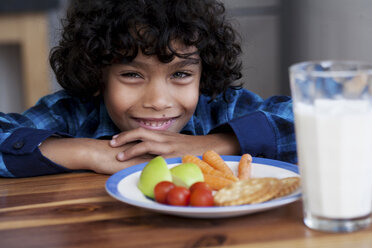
(181, 63)
(186, 62)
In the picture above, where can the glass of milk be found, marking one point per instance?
(332, 104)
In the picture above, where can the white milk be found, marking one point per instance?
(334, 142)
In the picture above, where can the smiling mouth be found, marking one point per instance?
(155, 124)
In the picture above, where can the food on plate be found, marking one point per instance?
(201, 197)
(216, 182)
(198, 195)
(178, 196)
(255, 190)
(161, 190)
(154, 172)
(208, 182)
(198, 185)
(215, 160)
(247, 192)
(289, 185)
(206, 168)
(244, 167)
(186, 174)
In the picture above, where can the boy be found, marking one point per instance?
(143, 78)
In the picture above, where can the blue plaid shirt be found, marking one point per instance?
(263, 127)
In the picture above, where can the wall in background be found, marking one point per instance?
(258, 22)
(325, 29)
(10, 79)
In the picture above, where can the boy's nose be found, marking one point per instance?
(157, 96)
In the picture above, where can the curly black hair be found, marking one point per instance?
(98, 33)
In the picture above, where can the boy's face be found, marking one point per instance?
(150, 94)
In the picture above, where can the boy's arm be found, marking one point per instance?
(21, 134)
(255, 134)
(23, 157)
(263, 128)
(86, 154)
(268, 131)
(19, 153)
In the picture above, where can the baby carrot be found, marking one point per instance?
(206, 168)
(244, 167)
(215, 160)
(216, 182)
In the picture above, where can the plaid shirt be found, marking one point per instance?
(263, 127)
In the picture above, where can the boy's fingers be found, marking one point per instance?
(137, 134)
(144, 148)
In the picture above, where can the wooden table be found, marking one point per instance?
(74, 210)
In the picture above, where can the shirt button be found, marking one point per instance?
(18, 145)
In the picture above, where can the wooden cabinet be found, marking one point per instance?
(29, 31)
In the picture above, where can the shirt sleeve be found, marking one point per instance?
(21, 157)
(267, 130)
(264, 128)
(254, 134)
(21, 134)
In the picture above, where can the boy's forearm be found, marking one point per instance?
(224, 143)
(87, 154)
(71, 153)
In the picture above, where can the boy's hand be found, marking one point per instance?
(88, 154)
(170, 144)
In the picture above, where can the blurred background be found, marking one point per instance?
(275, 34)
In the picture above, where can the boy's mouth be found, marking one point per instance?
(156, 124)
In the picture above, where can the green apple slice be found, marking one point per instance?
(186, 174)
(154, 172)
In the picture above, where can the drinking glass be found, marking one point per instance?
(332, 104)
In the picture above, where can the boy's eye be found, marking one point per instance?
(180, 74)
(131, 75)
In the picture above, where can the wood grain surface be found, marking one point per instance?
(74, 210)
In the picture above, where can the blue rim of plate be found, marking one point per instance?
(113, 181)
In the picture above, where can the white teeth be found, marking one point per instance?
(155, 123)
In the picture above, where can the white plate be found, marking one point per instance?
(123, 186)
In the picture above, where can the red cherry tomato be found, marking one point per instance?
(201, 197)
(161, 190)
(199, 185)
(178, 196)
